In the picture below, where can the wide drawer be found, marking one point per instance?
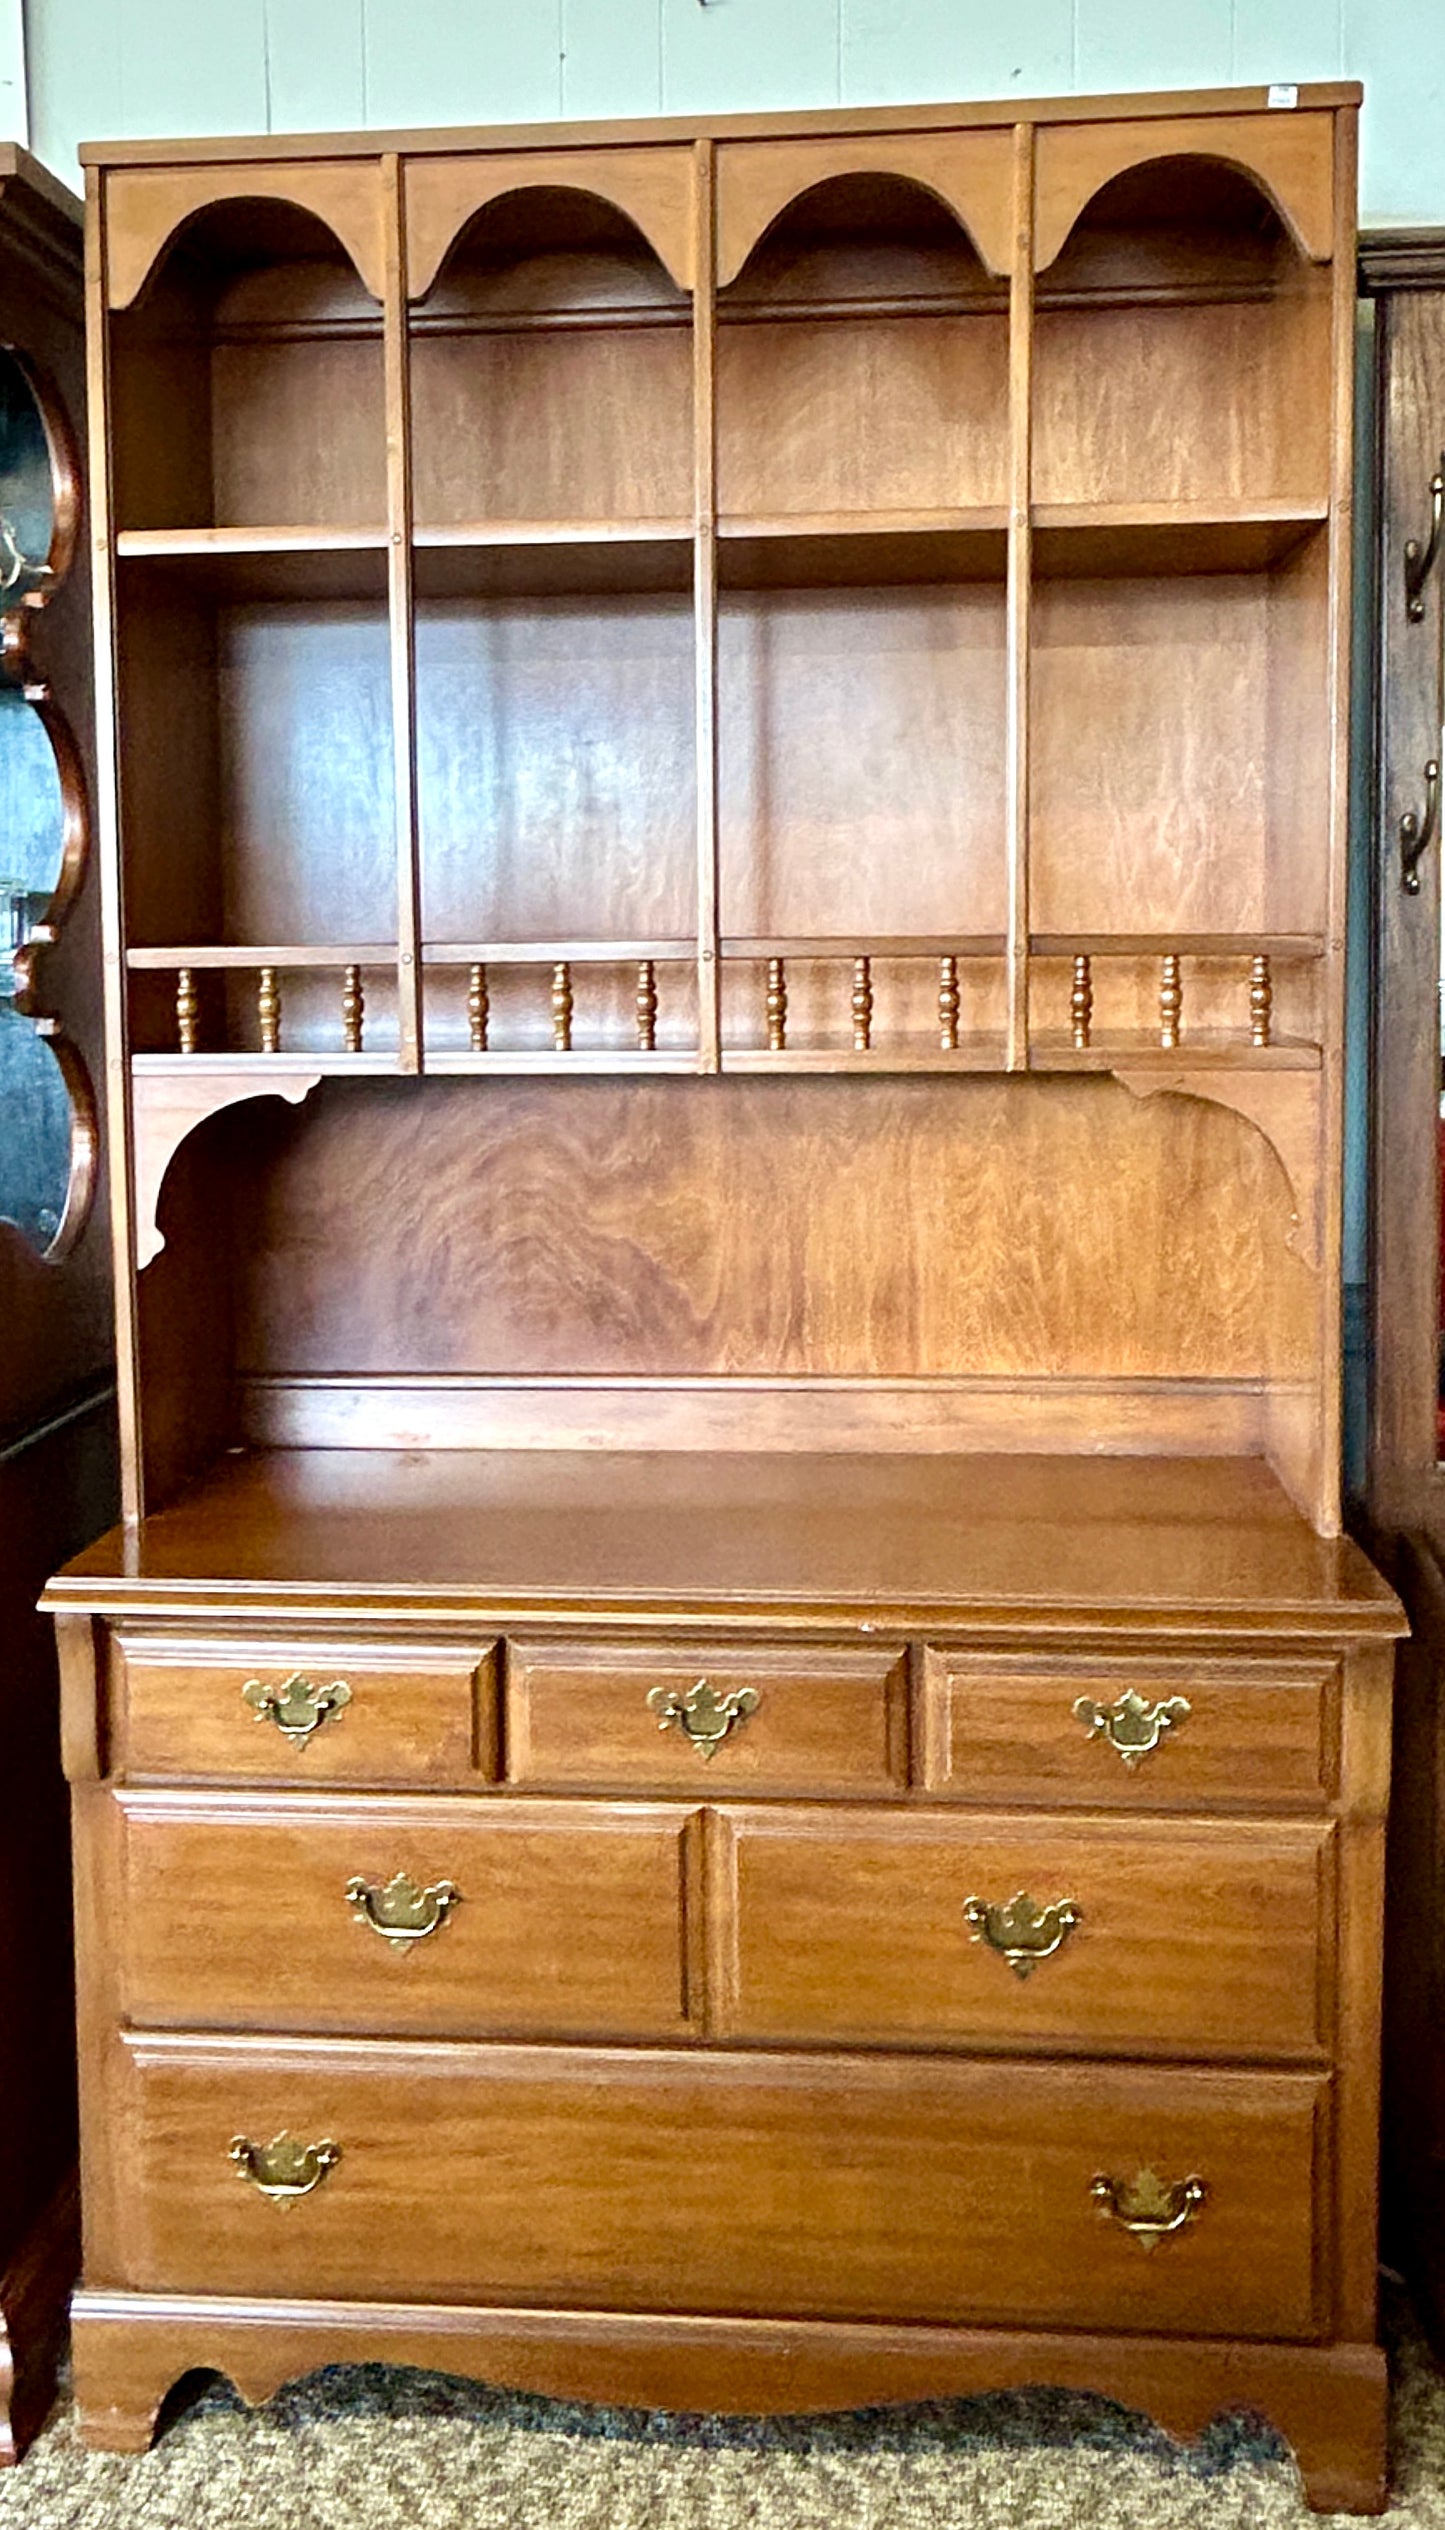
(438, 1916)
(1193, 1937)
(863, 2187)
(707, 1716)
(1139, 1731)
(304, 1712)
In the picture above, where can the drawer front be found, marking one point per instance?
(864, 2188)
(290, 1913)
(272, 1713)
(1131, 1732)
(1197, 1938)
(707, 1718)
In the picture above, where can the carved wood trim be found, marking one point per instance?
(170, 1105)
(970, 172)
(1284, 1107)
(1290, 158)
(651, 187)
(147, 207)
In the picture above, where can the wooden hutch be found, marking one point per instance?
(730, 1756)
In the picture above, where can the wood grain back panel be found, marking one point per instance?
(859, 1228)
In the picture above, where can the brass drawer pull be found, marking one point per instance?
(401, 1912)
(1148, 2207)
(1021, 1932)
(702, 1715)
(1131, 1726)
(296, 1707)
(284, 2168)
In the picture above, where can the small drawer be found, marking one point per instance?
(707, 1718)
(440, 1917)
(1200, 1938)
(1135, 1731)
(304, 1712)
(931, 2189)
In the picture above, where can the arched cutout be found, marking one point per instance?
(148, 209)
(1284, 1108)
(171, 1105)
(652, 188)
(1288, 157)
(551, 367)
(971, 173)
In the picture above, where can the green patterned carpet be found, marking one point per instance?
(369, 2449)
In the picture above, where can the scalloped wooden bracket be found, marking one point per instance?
(1289, 155)
(1284, 1107)
(169, 1105)
(147, 207)
(971, 173)
(650, 187)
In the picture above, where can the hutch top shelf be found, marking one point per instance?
(855, 593)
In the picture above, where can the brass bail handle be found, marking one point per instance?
(1147, 2207)
(285, 2168)
(1021, 1932)
(401, 1912)
(297, 1707)
(702, 1715)
(1417, 830)
(1132, 1725)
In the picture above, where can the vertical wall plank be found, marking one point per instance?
(745, 56)
(315, 72)
(611, 57)
(73, 71)
(908, 51)
(1286, 39)
(185, 69)
(14, 110)
(462, 61)
(1400, 55)
(1187, 45)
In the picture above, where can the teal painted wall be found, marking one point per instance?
(127, 69)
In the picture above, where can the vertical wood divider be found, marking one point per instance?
(1019, 593)
(1325, 1509)
(704, 597)
(401, 621)
(119, 1117)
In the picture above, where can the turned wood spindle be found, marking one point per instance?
(188, 1010)
(646, 1006)
(1261, 1001)
(777, 1006)
(1081, 1001)
(948, 1004)
(1171, 999)
(353, 1009)
(478, 1009)
(862, 1004)
(268, 1010)
(562, 1006)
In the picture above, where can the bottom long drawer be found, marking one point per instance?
(851, 2187)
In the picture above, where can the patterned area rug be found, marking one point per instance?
(373, 2449)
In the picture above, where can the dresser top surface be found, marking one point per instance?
(903, 1540)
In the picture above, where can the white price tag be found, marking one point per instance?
(1284, 93)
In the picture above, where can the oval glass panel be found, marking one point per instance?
(32, 826)
(27, 489)
(38, 1145)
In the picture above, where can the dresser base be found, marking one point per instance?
(1328, 2401)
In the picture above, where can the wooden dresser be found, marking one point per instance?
(729, 1756)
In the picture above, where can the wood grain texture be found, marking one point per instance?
(566, 1924)
(413, 1717)
(472, 2172)
(836, 1720)
(866, 1227)
(1165, 1957)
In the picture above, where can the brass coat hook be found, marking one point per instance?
(1418, 833)
(1419, 558)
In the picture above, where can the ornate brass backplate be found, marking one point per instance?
(401, 1912)
(1131, 1725)
(1148, 2207)
(284, 2168)
(702, 1715)
(297, 1707)
(1021, 1932)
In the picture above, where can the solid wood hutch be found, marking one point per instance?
(730, 1757)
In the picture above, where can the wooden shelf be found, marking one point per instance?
(371, 954)
(1202, 1049)
(458, 953)
(253, 1066)
(1106, 540)
(241, 563)
(971, 1054)
(1284, 945)
(555, 557)
(979, 944)
(866, 549)
(583, 1059)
